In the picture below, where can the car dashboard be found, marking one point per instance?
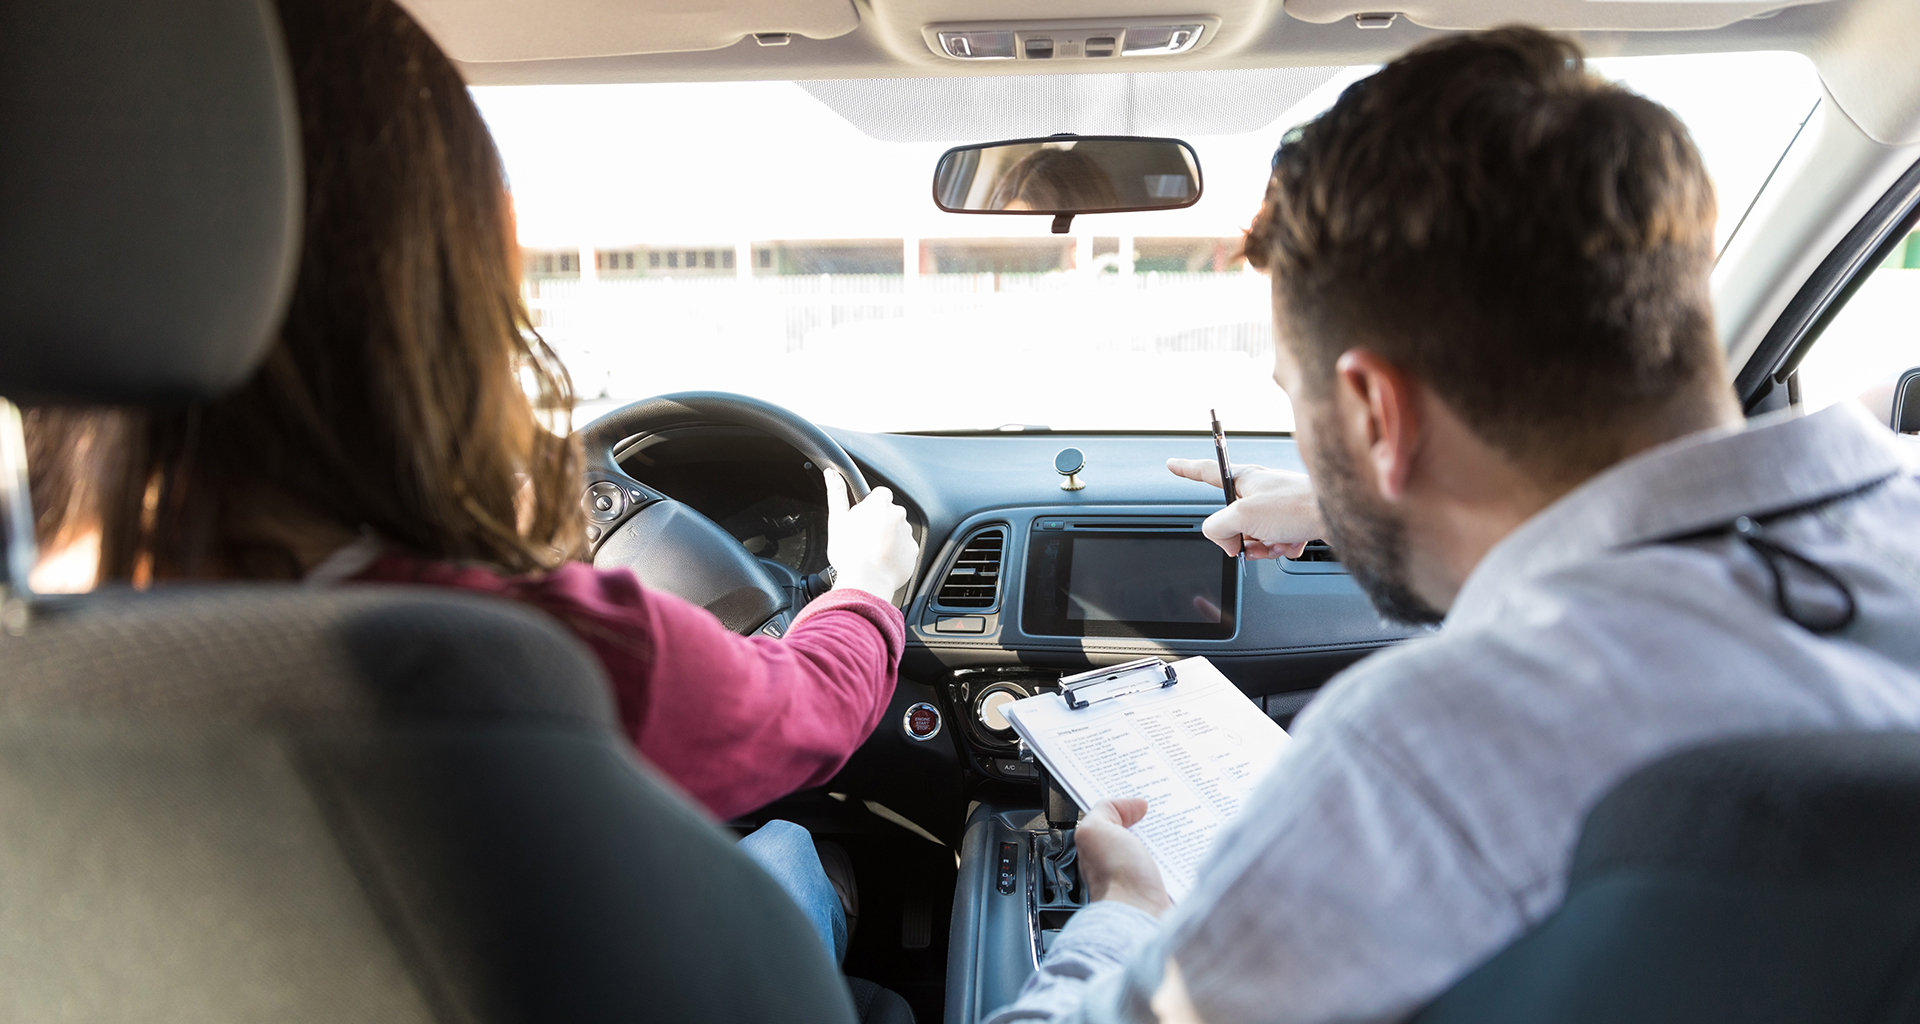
(1016, 571)
(1021, 582)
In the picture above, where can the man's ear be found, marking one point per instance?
(1380, 406)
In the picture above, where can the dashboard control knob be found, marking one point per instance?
(992, 710)
(1069, 463)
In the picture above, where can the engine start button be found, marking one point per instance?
(922, 721)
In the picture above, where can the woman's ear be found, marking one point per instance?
(1380, 406)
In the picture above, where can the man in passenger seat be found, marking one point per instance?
(1492, 317)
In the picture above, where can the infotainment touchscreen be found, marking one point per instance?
(1100, 580)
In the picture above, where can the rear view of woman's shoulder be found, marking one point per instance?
(579, 584)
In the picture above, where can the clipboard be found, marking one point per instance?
(1089, 688)
(1180, 735)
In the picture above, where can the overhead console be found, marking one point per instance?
(1078, 40)
(1035, 36)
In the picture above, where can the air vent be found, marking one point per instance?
(1318, 551)
(974, 580)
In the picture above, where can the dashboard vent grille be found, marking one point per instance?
(974, 580)
(1318, 551)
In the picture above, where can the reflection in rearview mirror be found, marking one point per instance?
(1066, 175)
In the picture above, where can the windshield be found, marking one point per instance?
(752, 237)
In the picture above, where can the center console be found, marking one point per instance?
(975, 699)
(1087, 580)
(1151, 579)
(1017, 888)
(1094, 587)
(1025, 596)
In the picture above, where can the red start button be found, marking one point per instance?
(922, 721)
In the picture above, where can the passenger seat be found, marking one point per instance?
(1752, 881)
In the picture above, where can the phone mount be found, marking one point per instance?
(1069, 463)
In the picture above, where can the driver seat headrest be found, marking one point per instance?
(150, 197)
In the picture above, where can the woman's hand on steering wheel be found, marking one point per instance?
(869, 544)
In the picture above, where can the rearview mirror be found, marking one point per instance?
(1066, 175)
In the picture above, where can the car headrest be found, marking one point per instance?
(150, 197)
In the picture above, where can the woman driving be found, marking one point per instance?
(409, 425)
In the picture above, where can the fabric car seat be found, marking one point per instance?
(253, 802)
(1755, 880)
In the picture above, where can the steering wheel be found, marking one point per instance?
(669, 545)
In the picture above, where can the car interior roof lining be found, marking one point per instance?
(888, 42)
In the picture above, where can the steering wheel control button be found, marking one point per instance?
(960, 624)
(1008, 873)
(922, 721)
(1069, 463)
(604, 502)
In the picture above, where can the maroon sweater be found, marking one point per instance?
(737, 721)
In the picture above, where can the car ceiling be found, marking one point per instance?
(1857, 44)
(512, 41)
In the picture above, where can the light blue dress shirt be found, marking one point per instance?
(1425, 814)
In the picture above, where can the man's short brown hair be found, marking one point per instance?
(1530, 240)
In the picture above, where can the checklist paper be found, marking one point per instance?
(1193, 751)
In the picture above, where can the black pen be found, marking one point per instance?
(1226, 467)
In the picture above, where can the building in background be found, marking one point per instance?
(891, 256)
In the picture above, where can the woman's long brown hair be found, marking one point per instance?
(402, 393)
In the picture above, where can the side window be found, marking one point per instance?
(1875, 338)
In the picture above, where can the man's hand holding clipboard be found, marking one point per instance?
(1114, 863)
(1160, 756)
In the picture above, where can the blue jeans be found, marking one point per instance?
(785, 851)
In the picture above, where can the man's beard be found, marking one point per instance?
(1368, 538)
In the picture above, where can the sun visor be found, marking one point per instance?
(1557, 15)
(487, 31)
(1169, 103)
